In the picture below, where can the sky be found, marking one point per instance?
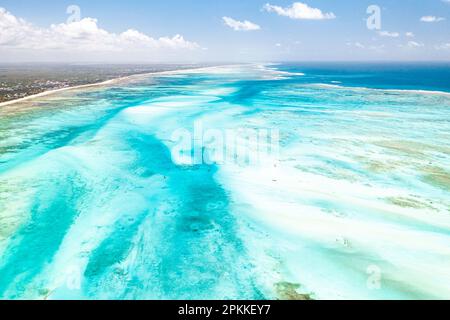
(139, 31)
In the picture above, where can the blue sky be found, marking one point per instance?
(276, 33)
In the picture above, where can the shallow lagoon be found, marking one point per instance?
(355, 205)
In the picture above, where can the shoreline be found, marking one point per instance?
(103, 83)
(177, 71)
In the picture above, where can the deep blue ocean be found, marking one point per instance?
(394, 75)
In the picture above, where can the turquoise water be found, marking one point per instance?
(355, 204)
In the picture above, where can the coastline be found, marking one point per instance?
(99, 84)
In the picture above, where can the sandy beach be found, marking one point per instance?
(103, 83)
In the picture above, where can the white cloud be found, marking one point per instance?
(410, 34)
(84, 35)
(299, 11)
(240, 25)
(443, 46)
(414, 44)
(431, 19)
(359, 45)
(378, 48)
(389, 34)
